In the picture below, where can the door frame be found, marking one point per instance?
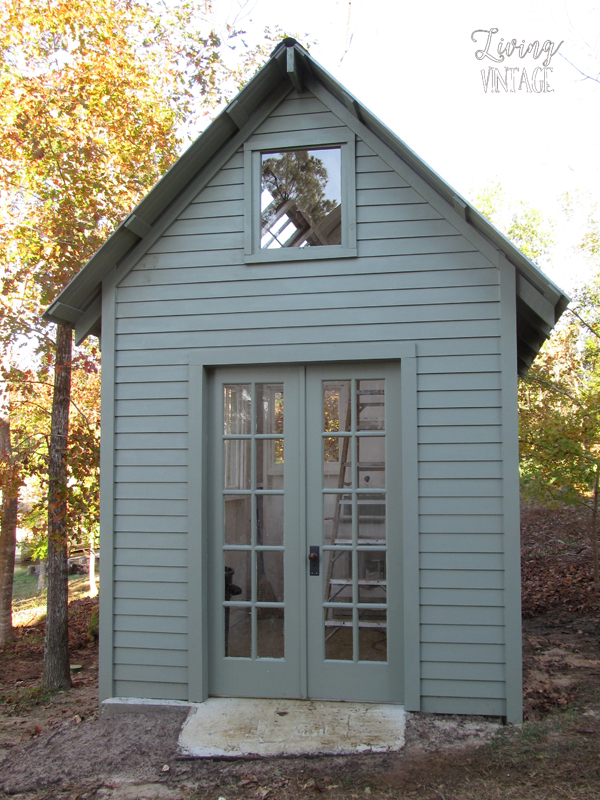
(198, 469)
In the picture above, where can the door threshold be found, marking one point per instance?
(225, 727)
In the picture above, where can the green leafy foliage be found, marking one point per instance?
(559, 398)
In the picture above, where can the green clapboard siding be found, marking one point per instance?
(135, 607)
(152, 640)
(144, 541)
(151, 690)
(416, 279)
(149, 590)
(436, 670)
(151, 657)
(141, 491)
(154, 624)
(463, 705)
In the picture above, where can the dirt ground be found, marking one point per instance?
(55, 746)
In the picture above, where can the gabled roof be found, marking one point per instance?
(539, 301)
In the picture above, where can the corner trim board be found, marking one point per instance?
(410, 534)
(197, 536)
(510, 466)
(107, 489)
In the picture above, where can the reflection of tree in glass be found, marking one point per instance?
(331, 406)
(298, 176)
(279, 427)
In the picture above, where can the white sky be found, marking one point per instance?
(414, 66)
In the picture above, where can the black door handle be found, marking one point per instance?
(313, 557)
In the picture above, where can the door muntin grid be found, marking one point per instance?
(354, 515)
(253, 520)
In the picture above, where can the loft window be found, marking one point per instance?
(300, 196)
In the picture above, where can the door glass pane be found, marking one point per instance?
(337, 462)
(372, 578)
(372, 636)
(238, 632)
(269, 576)
(269, 408)
(339, 637)
(269, 464)
(337, 518)
(270, 633)
(370, 453)
(336, 406)
(238, 519)
(269, 519)
(238, 578)
(371, 518)
(237, 463)
(236, 408)
(370, 405)
(338, 571)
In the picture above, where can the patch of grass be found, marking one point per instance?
(29, 604)
(532, 733)
(20, 701)
(24, 585)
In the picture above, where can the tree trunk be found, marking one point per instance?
(92, 573)
(594, 534)
(57, 674)
(8, 534)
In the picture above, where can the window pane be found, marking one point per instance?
(237, 463)
(269, 463)
(269, 633)
(370, 452)
(338, 636)
(371, 518)
(238, 632)
(336, 406)
(238, 519)
(372, 580)
(372, 636)
(301, 196)
(337, 462)
(269, 576)
(338, 571)
(237, 575)
(337, 519)
(370, 405)
(269, 408)
(236, 408)
(269, 519)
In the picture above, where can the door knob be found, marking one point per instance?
(313, 557)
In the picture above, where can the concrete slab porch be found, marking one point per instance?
(233, 727)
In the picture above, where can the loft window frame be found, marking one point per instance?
(277, 143)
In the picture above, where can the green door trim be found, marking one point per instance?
(199, 364)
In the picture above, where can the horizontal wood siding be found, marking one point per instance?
(417, 279)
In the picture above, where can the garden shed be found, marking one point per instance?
(310, 350)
